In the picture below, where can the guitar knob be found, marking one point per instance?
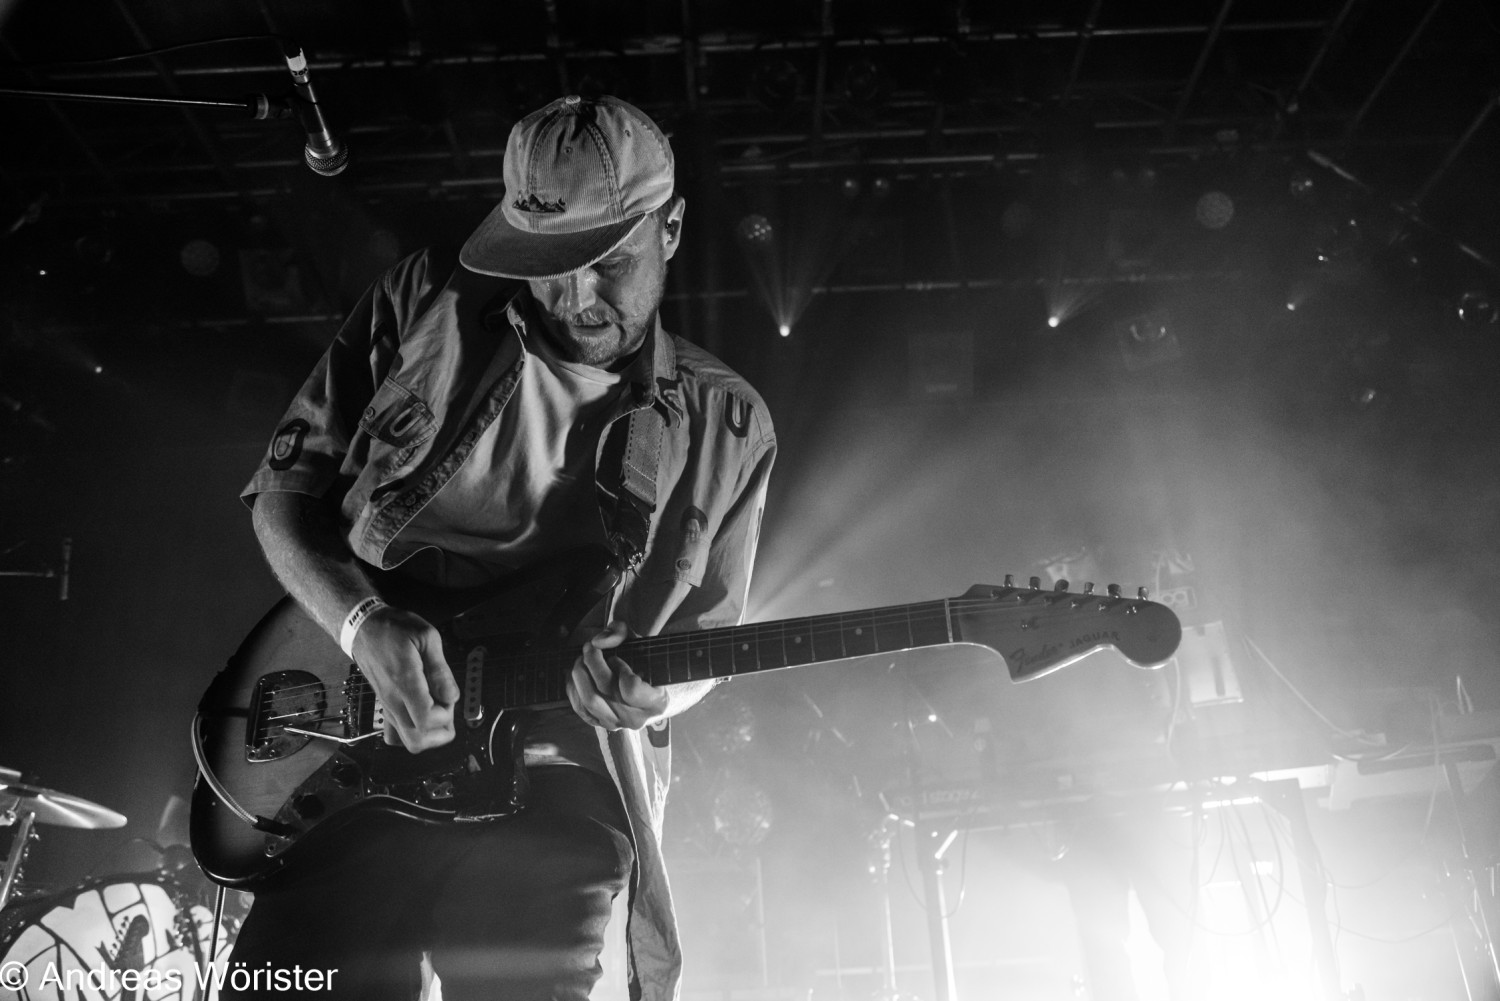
(1143, 593)
(1036, 583)
(1061, 585)
(1114, 590)
(1010, 580)
(1088, 587)
(344, 774)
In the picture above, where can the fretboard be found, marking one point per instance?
(533, 679)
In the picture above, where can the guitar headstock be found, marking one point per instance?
(1038, 631)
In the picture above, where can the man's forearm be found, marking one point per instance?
(310, 556)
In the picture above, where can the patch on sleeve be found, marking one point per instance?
(694, 524)
(286, 447)
(737, 416)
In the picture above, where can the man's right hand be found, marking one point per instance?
(402, 656)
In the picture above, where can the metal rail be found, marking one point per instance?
(709, 44)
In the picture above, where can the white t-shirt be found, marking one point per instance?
(527, 488)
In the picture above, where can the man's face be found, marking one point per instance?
(601, 314)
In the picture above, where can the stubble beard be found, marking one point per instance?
(604, 346)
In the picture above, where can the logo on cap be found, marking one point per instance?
(531, 203)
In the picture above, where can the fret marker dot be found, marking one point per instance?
(796, 639)
(699, 653)
(858, 631)
(744, 646)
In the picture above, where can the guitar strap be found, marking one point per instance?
(627, 480)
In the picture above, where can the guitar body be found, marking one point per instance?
(292, 791)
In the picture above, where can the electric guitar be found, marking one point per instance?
(288, 736)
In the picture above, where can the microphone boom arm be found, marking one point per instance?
(258, 106)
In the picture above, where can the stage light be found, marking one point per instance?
(865, 86)
(775, 83)
(98, 369)
(1478, 308)
(199, 258)
(756, 230)
(1214, 210)
(785, 330)
(1301, 185)
(1053, 321)
(1148, 339)
(1148, 330)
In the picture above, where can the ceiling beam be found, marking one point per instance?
(708, 44)
(1084, 35)
(1199, 66)
(1390, 71)
(195, 126)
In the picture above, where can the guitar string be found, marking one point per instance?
(548, 664)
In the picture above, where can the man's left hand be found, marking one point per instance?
(606, 693)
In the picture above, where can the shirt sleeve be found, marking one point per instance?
(720, 599)
(310, 450)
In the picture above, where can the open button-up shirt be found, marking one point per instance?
(424, 363)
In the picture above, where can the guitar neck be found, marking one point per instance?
(535, 679)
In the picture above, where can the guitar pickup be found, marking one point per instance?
(474, 685)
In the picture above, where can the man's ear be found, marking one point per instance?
(671, 226)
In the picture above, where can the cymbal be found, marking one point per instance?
(56, 808)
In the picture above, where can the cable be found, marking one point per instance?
(1304, 700)
(147, 53)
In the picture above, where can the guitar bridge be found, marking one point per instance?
(285, 708)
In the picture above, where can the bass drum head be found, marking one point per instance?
(129, 936)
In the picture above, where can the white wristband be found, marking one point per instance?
(356, 618)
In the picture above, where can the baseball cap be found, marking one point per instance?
(580, 176)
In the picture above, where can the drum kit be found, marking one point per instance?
(144, 934)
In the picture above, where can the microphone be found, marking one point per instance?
(324, 154)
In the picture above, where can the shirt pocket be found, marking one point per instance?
(397, 417)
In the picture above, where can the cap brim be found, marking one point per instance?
(500, 249)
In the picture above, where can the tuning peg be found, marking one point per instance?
(1010, 580)
(1143, 593)
(1036, 583)
(1061, 585)
(1088, 587)
(1114, 590)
